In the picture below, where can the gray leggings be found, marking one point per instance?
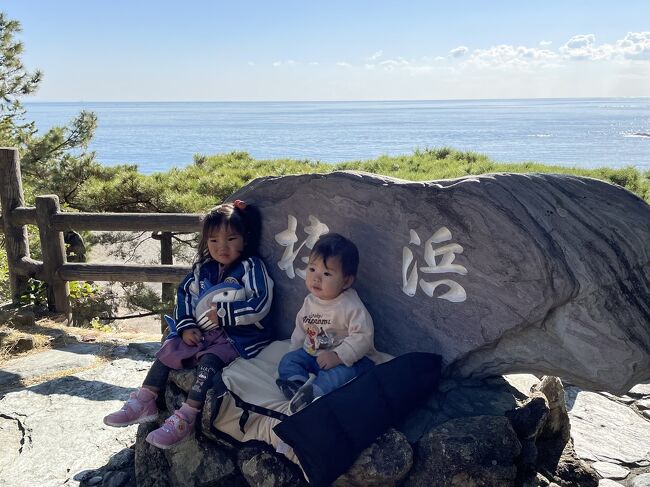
(206, 369)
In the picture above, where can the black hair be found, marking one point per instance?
(243, 218)
(335, 245)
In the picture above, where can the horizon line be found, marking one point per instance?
(392, 100)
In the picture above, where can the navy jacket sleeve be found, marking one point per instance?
(184, 311)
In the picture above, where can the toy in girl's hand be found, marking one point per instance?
(226, 292)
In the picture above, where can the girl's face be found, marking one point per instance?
(225, 245)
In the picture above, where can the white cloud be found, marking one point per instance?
(459, 51)
(582, 46)
(288, 62)
(635, 45)
(251, 63)
(581, 41)
(391, 64)
(510, 56)
(504, 57)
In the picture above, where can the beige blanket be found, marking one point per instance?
(254, 381)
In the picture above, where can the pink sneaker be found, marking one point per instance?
(174, 431)
(140, 408)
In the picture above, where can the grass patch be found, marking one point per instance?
(447, 163)
(14, 342)
(47, 334)
(223, 174)
(211, 179)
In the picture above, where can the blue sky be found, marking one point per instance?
(335, 50)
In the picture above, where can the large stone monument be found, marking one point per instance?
(499, 273)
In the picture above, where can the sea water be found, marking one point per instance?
(580, 132)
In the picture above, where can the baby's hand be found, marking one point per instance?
(192, 337)
(212, 316)
(328, 360)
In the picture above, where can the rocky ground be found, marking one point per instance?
(53, 399)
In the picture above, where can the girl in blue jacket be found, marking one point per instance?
(221, 313)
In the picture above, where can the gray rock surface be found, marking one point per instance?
(455, 399)
(610, 470)
(195, 462)
(499, 273)
(608, 483)
(642, 480)
(640, 390)
(262, 467)
(79, 355)
(478, 450)
(385, 463)
(606, 431)
(52, 432)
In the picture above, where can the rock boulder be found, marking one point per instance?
(499, 273)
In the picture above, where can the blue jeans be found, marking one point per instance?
(298, 364)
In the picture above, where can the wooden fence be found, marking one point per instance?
(52, 222)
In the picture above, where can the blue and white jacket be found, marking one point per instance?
(246, 322)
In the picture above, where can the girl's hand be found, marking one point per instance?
(213, 317)
(192, 337)
(328, 360)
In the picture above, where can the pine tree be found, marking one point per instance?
(47, 163)
(14, 83)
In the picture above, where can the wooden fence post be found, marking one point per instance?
(11, 197)
(166, 257)
(53, 248)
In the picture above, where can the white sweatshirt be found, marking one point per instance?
(342, 325)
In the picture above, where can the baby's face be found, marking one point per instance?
(326, 281)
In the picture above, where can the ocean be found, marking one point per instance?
(579, 132)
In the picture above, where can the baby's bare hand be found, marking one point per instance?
(192, 337)
(328, 360)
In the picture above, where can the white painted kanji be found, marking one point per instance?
(288, 238)
(444, 264)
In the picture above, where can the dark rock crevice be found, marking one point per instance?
(25, 434)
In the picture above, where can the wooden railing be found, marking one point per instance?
(52, 222)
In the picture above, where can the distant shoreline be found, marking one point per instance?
(396, 100)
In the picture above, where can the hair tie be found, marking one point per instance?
(239, 204)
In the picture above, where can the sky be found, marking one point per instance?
(299, 50)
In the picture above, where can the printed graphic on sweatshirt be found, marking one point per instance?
(319, 335)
